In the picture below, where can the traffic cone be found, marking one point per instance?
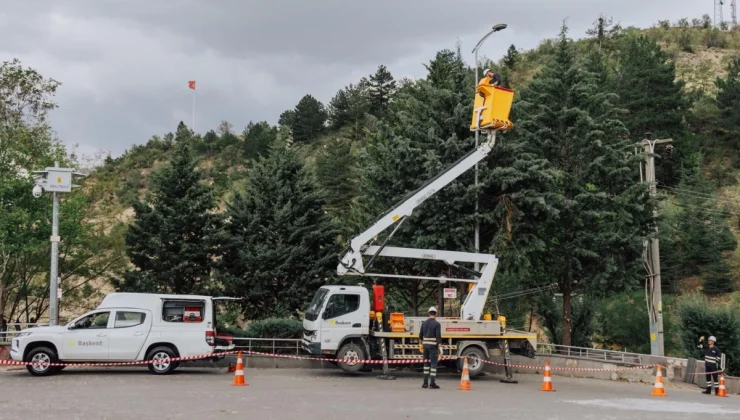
(658, 389)
(239, 375)
(465, 378)
(547, 380)
(722, 391)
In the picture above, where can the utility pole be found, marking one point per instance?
(718, 13)
(55, 180)
(494, 29)
(651, 254)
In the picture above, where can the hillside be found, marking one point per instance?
(560, 199)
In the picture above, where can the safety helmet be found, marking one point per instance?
(712, 339)
(432, 310)
(486, 71)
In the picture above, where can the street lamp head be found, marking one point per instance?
(499, 27)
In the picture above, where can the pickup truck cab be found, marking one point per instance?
(126, 327)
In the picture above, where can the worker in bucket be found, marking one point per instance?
(430, 338)
(490, 77)
(712, 357)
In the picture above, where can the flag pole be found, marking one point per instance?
(193, 111)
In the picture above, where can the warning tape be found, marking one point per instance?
(570, 369)
(109, 364)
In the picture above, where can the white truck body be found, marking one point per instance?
(126, 327)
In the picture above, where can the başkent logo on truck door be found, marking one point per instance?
(87, 343)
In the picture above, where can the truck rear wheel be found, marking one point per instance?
(352, 352)
(475, 360)
(41, 357)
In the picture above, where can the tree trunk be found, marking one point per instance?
(567, 319)
(415, 298)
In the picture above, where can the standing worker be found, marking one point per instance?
(430, 337)
(712, 358)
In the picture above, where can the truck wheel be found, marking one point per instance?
(353, 352)
(475, 356)
(42, 356)
(161, 365)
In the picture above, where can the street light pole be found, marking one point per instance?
(496, 28)
(55, 180)
(54, 270)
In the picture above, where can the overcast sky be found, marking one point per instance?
(125, 64)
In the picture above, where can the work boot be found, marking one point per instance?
(434, 386)
(708, 391)
(425, 385)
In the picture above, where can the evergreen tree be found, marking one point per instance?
(349, 107)
(335, 167)
(728, 103)
(649, 91)
(600, 212)
(173, 239)
(309, 118)
(182, 133)
(257, 139)
(287, 118)
(604, 31)
(445, 71)
(339, 110)
(511, 58)
(382, 86)
(279, 245)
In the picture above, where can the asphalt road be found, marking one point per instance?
(329, 394)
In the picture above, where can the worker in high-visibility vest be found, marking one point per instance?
(430, 345)
(712, 358)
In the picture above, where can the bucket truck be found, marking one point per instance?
(347, 323)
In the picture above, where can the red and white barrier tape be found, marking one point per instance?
(322, 359)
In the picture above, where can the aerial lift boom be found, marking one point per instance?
(352, 262)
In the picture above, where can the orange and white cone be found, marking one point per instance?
(722, 391)
(547, 380)
(465, 378)
(239, 373)
(658, 388)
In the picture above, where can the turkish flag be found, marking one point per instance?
(191, 84)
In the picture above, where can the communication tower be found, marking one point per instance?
(718, 18)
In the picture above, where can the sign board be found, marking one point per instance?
(58, 180)
(450, 293)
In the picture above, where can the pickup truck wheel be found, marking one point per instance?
(160, 360)
(42, 357)
(475, 364)
(353, 352)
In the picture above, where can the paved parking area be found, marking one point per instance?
(330, 394)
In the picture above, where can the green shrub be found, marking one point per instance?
(276, 328)
(700, 317)
(621, 323)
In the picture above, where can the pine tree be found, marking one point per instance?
(309, 118)
(335, 168)
(728, 102)
(182, 133)
(511, 58)
(287, 118)
(382, 86)
(280, 245)
(173, 239)
(567, 119)
(349, 107)
(445, 71)
(257, 139)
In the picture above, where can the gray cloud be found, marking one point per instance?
(125, 64)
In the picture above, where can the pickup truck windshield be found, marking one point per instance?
(316, 304)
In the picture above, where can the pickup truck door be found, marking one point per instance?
(87, 337)
(341, 318)
(130, 328)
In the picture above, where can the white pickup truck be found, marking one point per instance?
(126, 327)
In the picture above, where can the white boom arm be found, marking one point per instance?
(352, 261)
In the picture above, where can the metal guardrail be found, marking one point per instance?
(7, 334)
(269, 345)
(590, 354)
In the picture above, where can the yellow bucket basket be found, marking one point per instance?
(494, 105)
